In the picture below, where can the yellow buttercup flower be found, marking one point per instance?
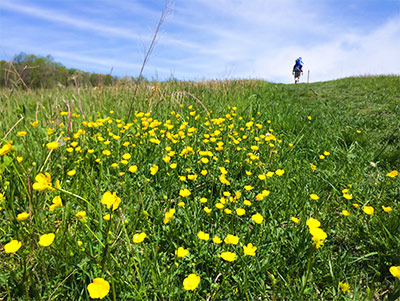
(99, 288)
(217, 240)
(313, 223)
(23, 216)
(247, 203)
(387, 209)
(52, 145)
(250, 249)
(80, 214)
(169, 215)
(126, 156)
(240, 211)
(181, 252)
(57, 202)
(111, 200)
(392, 174)
(107, 217)
(248, 187)
(43, 181)
(203, 200)
(22, 134)
(295, 220)
(13, 246)
(5, 149)
(345, 213)
(207, 210)
(191, 282)
(347, 196)
(153, 170)
(224, 180)
(270, 174)
(106, 152)
(279, 172)
(71, 172)
(314, 197)
(257, 218)
(395, 271)
(203, 236)
(318, 236)
(369, 210)
(139, 237)
(184, 193)
(228, 256)
(231, 239)
(46, 239)
(133, 169)
(345, 287)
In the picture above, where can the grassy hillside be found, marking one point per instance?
(211, 190)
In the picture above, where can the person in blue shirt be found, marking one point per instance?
(297, 69)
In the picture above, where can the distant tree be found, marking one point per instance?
(42, 72)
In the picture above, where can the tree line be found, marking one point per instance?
(31, 71)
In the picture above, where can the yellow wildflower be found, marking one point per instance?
(250, 249)
(203, 236)
(345, 287)
(111, 200)
(395, 271)
(57, 202)
(184, 193)
(43, 181)
(169, 215)
(181, 252)
(295, 220)
(5, 149)
(13, 246)
(139, 237)
(228, 256)
(99, 288)
(368, 210)
(257, 218)
(387, 209)
(23, 216)
(191, 282)
(231, 239)
(46, 240)
(392, 174)
(52, 145)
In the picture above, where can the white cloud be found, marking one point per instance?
(55, 16)
(373, 53)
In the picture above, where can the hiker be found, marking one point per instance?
(297, 68)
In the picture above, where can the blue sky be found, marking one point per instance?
(209, 39)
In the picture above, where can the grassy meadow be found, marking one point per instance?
(217, 190)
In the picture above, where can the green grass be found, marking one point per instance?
(354, 121)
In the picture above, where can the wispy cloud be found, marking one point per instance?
(55, 16)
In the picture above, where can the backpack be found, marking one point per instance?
(299, 65)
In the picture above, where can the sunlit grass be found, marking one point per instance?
(216, 190)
